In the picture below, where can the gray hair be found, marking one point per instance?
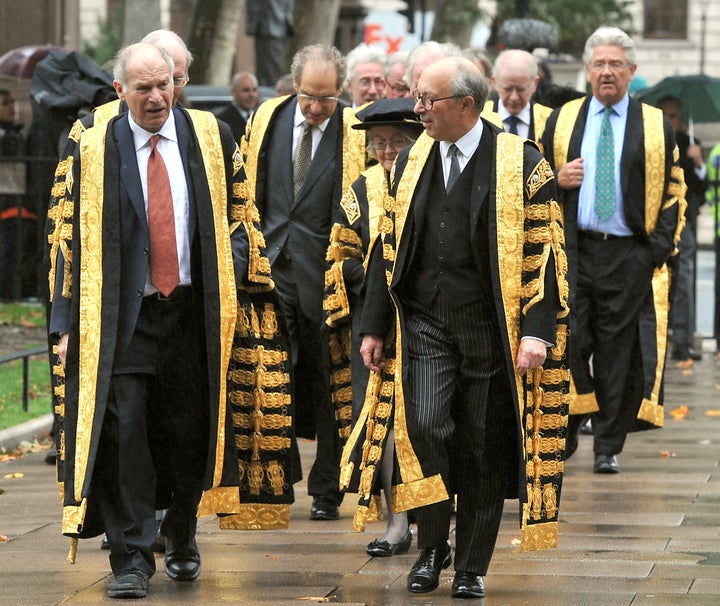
(319, 52)
(158, 36)
(124, 54)
(363, 53)
(431, 48)
(469, 81)
(396, 57)
(609, 36)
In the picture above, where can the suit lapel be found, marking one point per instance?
(129, 172)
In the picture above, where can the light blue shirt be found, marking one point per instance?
(587, 219)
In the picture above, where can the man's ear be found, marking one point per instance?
(118, 89)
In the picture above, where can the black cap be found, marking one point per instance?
(389, 112)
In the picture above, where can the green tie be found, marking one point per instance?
(605, 174)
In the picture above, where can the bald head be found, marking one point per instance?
(181, 56)
(515, 78)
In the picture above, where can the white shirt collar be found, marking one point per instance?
(141, 136)
(468, 143)
(523, 116)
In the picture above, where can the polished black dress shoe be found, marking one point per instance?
(129, 584)
(606, 464)
(468, 585)
(324, 508)
(425, 574)
(384, 549)
(182, 561)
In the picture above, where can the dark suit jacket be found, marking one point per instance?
(231, 116)
(300, 226)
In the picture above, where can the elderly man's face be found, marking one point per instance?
(609, 74)
(515, 86)
(440, 113)
(317, 91)
(368, 83)
(148, 91)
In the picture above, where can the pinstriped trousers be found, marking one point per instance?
(461, 419)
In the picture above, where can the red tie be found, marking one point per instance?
(164, 272)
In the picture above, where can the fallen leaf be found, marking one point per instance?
(13, 476)
(320, 599)
(273, 557)
(679, 413)
(3, 538)
(712, 413)
(515, 542)
(666, 454)
(689, 363)
(717, 385)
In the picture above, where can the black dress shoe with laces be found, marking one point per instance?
(606, 464)
(686, 353)
(182, 560)
(324, 508)
(425, 574)
(468, 585)
(384, 549)
(129, 584)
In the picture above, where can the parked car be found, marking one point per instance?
(211, 98)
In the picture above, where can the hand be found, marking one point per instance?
(531, 354)
(371, 351)
(694, 153)
(571, 175)
(62, 347)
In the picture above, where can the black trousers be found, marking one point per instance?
(461, 420)
(153, 448)
(614, 285)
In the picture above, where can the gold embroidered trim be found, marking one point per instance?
(563, 130)
(219, 500)
(539, 536)
(254, 516)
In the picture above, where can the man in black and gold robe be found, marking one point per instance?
(464, 331)
(619, 238)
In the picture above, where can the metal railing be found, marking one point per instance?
(25, 357)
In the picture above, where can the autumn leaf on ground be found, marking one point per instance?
(686, 364)
(679, 413)
(712, 413)
(515, 542)
(666, 454)
(14, 476)
(3, 538)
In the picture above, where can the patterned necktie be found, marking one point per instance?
(605, 174)
(164, 271)
(512, 122)
(303, 156)
(454, 167)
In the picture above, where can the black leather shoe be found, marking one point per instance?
(130, 584)
(182, 561)
(425, 574)
(606, 464)
(468, 585)
(324, 508)
(384, 549)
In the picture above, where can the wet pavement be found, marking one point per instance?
(647, 536)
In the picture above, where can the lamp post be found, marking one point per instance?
(703, 27)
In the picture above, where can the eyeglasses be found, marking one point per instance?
(399, 88)
(321, 100)
(427, 102)
(613, 66)
(180, 81)
(365, 83)
(396, 144)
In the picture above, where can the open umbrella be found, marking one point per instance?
(700, 96)
(20, 62)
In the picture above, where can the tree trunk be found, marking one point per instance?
(455, 21)
(200, 39)
(224, 43)
(315, 23)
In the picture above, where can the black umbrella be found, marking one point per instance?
(700, 95)
(20, 62)
(65, 82)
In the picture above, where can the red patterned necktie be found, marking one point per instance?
(164, 271)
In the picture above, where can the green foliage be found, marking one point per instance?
(11, 410)
(575, 19)
(107, 45)
(22, 314)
